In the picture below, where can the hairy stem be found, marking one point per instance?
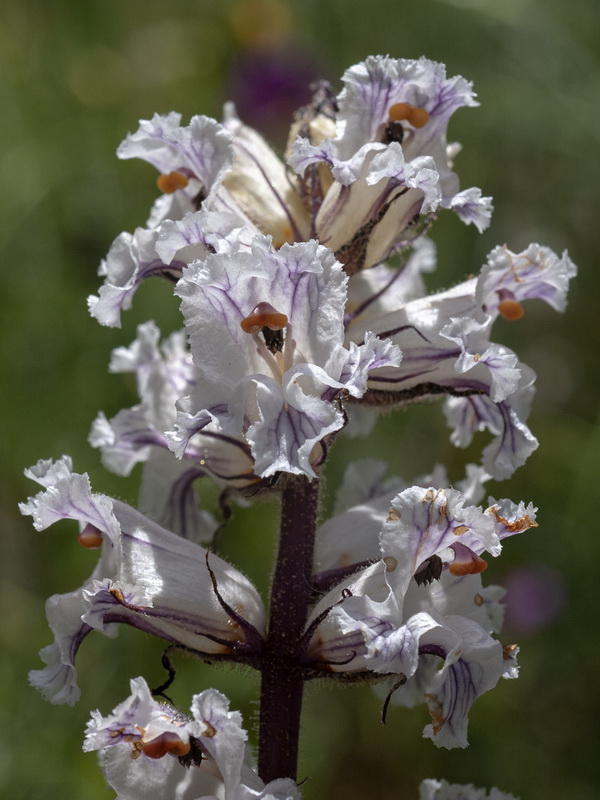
(282, 682)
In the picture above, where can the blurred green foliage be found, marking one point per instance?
(76, 75)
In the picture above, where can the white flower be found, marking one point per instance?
(368, 164)
(446, 347)
(164, 373)
(134, 257)
(146, 577)
(421, 601)
(266, 333)
(388, 146)
(150, 750)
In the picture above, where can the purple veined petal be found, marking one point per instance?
(200, 233)
(420, 173)
(431, 789)
(124, 736)
(130, 260)
(372, 87)
(351, 537)
(303, 154)
(386, 194)
(347, 617)
(471, 207)
(472, 666)
(471, 335)
(201, 150)
(57, 681)
(536, 272)
(68, 495)
(284, 436)
(126, 719)
(172, 574)
(427, 314)
(110, 601)
(125, 440)
(303, 282)
(380, 86)
(395, 650)
(446, 350)
(513, 442)
(423, 522)
(168, 496)
(164, 371)
(386, 289)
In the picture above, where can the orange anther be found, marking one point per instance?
(264, 316)
(418, 117)
(400, 111)
(166, 743)
(413, 114)
(472, 566)
(510, 309)
(172, 182)
(90, 537)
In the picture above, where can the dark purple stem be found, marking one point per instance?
(282, 680)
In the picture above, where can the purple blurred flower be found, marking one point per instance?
(535, 596)
(268, 85)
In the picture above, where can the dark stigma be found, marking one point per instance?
(429, 571)
(393, 132)
(273, 339)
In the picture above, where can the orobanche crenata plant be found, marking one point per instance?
(296, 328)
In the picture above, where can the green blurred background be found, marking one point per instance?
(76, 76)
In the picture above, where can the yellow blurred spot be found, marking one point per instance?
(260, 23)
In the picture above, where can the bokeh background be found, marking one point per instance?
(76, 76)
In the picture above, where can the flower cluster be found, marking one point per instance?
(298, 325)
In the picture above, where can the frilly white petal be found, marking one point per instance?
(471, 207)
(215, 730)
(536, 272)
